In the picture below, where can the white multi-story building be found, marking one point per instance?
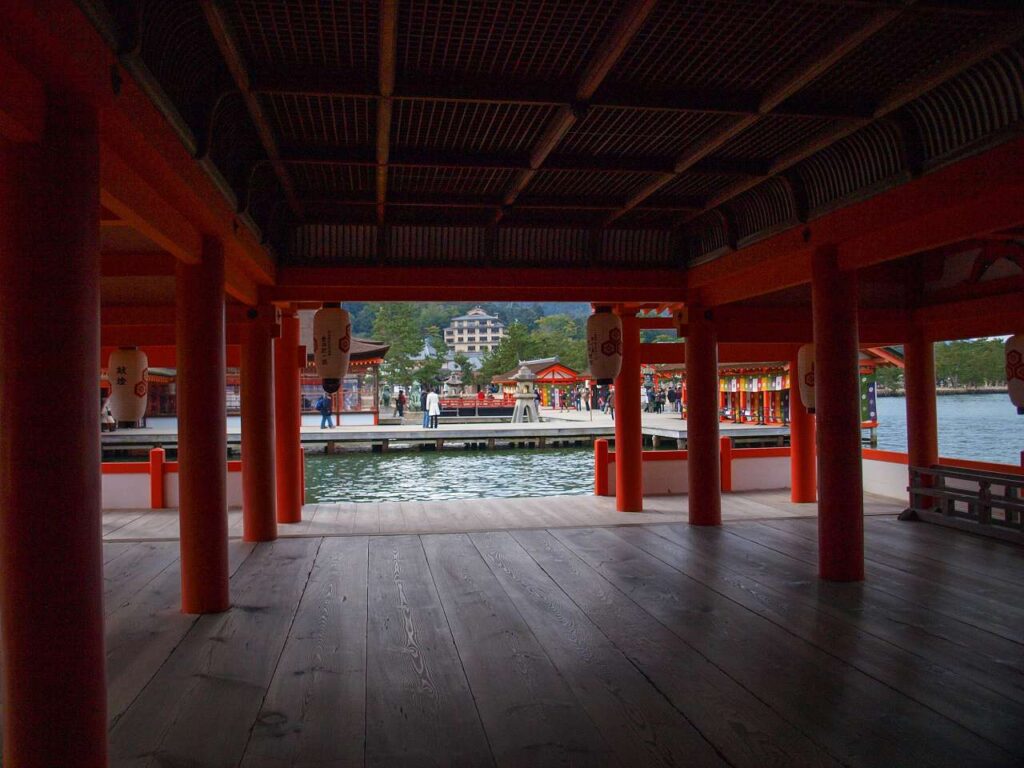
(474, 332)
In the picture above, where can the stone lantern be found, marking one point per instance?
(526, 403)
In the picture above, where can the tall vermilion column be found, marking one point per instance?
(202, 438)
(702, 445)
(289, 421)
(837, 408)
(51, 561)
(803, 469)
(922, 422)
(259, 517)
(629, 446)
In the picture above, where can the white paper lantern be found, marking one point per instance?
(1015, 370)
(332, 344)
(805, 376)
(604, 345)
(128, 372)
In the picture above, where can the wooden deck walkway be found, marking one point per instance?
(637, 645)
(466, 515)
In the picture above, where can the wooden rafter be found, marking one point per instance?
(912, 90)
(622, 33)
(302, 82)
(770, 101)
(218, 23)
(386, 83)
(405, 158)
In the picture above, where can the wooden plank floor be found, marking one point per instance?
(634, 645)
(468, 515)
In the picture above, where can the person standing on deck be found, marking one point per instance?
(323, 404)
(610, 405)
(424, 394)
(433, 409)
(400, 403)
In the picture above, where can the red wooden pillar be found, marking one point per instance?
(629, 479)
(837, 408)
(51, 561)
(702, 462)
(922, 422)
(259, 520)
(287, 399)
(803, 471)
(202, 439)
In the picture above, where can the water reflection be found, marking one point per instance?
(448, 474)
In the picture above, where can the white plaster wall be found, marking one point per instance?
(125, 491)
(661, 478)
(885, 478)
(763, 474)
(171, 489)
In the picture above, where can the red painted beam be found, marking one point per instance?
(608, 285)
(59, 46)
(22, 102)
(977, 195)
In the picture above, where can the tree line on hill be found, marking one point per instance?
(968, 364)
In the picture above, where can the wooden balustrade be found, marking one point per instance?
(984, 502)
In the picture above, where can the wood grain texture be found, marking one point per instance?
(530, 714)
(419, 708)
(314, 712)
(204, 699)
(746, 730)
(860, 720)
(640, 725)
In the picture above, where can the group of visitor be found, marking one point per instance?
(430, 403)
(570, 398)
(655, 400)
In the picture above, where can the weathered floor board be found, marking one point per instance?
(314, 711)
(530, 714)
(649, 644)
(419, 707)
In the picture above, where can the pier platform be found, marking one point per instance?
(555, 428)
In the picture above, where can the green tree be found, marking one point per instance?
(562, 337)
(395, 324)
(516, 346)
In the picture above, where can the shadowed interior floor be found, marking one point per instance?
(655, 644)
(465, 515)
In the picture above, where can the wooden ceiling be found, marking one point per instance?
(633, 133)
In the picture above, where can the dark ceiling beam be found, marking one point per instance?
(314, 205)
(404, 158)
(835, 51)
(218, 23)
(625, 28)
(1009, 34)
(386, 81)
(303, 82)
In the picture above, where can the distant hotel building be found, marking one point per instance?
(474, 332)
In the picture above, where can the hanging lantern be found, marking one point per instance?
(1015, 370)
(128, 372)
(805, 372)
(332, 342)
(604, 345)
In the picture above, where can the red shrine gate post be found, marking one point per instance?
(702, 460)
(803, 472)
(837, 407)
(289, 421)
(922, 421)
(202, 439)
(629, 479)
(259, 521)
(51, 589)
